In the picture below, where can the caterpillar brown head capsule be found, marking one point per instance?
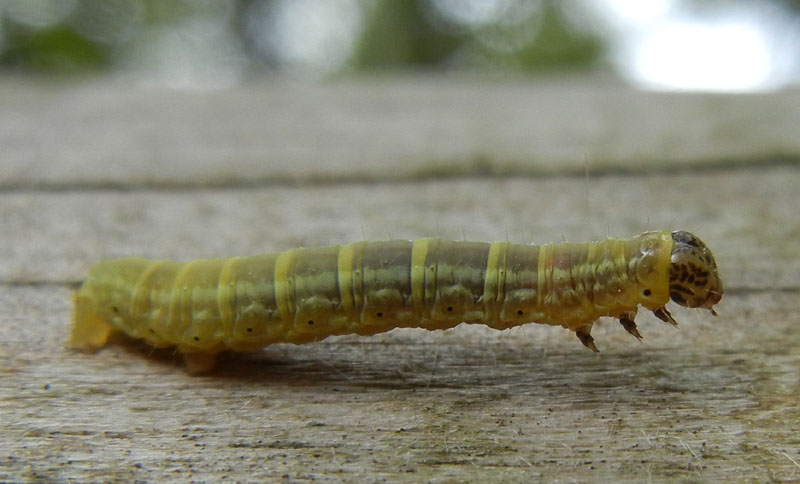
(693, 278)
(301, 295)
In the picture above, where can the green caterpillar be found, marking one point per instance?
(301, 295)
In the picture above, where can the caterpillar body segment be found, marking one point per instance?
(302, 295)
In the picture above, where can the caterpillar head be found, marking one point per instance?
(693, 278)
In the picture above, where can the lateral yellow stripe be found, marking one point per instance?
(664, 251)
(618, 247)
(662, 247)
(180, 308)
(419, 253)
(494, 283)
(226, 296)
(543, 282)
(347, 255)
(431, 275)
(284, 286)
(140, 299)
(139, 303)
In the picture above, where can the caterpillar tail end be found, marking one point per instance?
(89, 331)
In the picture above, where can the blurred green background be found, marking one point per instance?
(672, 44)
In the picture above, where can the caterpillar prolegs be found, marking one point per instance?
(301, 295)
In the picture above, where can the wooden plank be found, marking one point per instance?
(100, 134)
(715, 401)
(466, 404)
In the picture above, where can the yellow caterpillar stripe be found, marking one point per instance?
(301, 295)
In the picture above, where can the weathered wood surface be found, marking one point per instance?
(114, 135)
(111, 171)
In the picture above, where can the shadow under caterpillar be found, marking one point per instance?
(245, 303)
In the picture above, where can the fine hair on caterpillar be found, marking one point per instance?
(301, 295)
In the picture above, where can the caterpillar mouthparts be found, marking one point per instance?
(301, 295)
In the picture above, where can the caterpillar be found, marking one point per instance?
(307, 294)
